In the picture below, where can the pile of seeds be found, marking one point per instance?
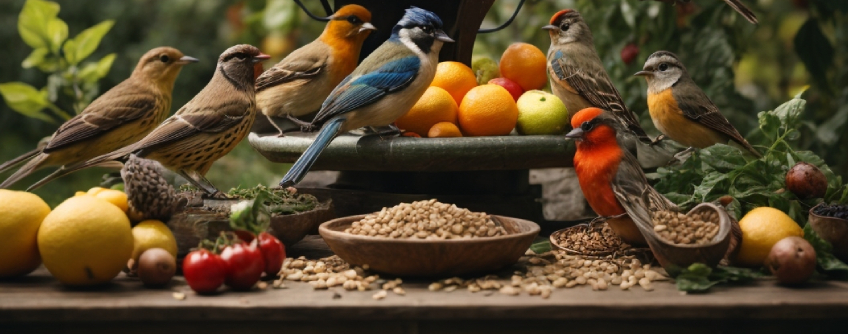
(832, 210)
(591, 239)
(558, 269)
(697, 229)
(426, 220)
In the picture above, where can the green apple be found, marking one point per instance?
(485, 69)
(541, 113)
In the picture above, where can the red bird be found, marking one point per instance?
(610, 177)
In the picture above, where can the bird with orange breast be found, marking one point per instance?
(299, 83)
(681, 110)
(578, 77)
(609, 175)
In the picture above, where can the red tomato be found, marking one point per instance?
(244, 265)
(204, 271)
(273, 252)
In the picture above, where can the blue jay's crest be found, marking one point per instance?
(418, 17)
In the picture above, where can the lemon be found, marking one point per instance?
(541, 113)
(761, 229)
(95, 190)
(21, 214)
(116, 197)
(85, 241)
(152, 234)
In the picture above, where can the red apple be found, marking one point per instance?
(513, 88)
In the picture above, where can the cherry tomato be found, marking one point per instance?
(204, 271)
(273, 252)
(244, 265)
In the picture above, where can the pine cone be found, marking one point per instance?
(150, 194)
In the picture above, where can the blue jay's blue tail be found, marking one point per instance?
(307, 159)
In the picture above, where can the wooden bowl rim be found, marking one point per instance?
(323, 229)
(723, 228)
(826, 218)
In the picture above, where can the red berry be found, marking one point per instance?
(512, 87)
(629, 53)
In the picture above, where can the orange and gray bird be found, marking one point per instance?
(299, 83)
(737, 5)
(578, 77)
(204, 129)
(681, 110)
(118, 118)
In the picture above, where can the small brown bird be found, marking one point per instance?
(681, 110)
(737, 5)
(578, 76)
(120, 117)
(299, 83)
(206, 128)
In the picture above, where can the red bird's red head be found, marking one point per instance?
(593, 127)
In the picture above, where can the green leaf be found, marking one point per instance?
(815, 51)
(35, 58)
(57, 33)
(824, 254)
(91, 72)
(86, 42)
(33, 21)
(541, 247)
(26, 100)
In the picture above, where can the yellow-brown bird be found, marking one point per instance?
(299, 83)
(681, 110)
(578, 77)
(120, 117)
(206, 128)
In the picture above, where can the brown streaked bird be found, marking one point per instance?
(206, 128)
(737, 5)
(299, 83)
(681, 110)
(578, 76)
(120, 117)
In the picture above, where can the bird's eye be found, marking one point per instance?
(354, 20)
(427, 29)
(663, 67)
(586, 126)
(164, 58)
(240, 55)
(564, 26)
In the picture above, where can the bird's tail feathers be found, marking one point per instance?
(19, 160)
(108, 160)
(32, 165)
(742, 9)
(308, 158)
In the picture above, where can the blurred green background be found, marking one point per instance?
(744, 68)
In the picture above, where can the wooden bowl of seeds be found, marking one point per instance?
(429, 239)
(830, 227)
(679, 240)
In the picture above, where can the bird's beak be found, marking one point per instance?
(186, 60)
(367, 26)
(577, 133)
(550, 27)
(440, 35)
(260, 57)
(643, 74)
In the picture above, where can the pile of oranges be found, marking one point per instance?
(455, 106)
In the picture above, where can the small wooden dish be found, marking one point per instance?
(207, 222)
(674, 258)
(833, 230)
(430, 258)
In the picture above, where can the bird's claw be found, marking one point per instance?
(657, 140)
(681, 156)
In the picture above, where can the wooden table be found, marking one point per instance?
(38, 303)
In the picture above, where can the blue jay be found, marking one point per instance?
(381, 89)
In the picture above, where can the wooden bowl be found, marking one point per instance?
(833, 230)
(430, 258)
(207, 222)
(674, 258)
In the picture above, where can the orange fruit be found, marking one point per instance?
(487, 110)
(526, 65)
(456, 78)
(411, 134)
(444, 130)
(436, 105)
